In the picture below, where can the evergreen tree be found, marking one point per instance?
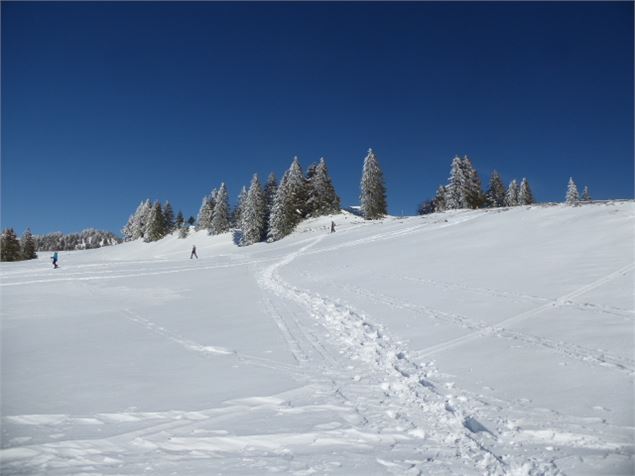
(253, 214)
(322, 198)
(426, 207)
(586, 196)
(168, 215)
(179, 219)
(191, 220)
(296, 193)
(279, 223)
(572, 197)
(495, 195)
(220, 215)
(439, 199)
(456, 187)
(511, 198)
(155, 229)
(525, 197)
(238, 210)
(270, 193)
(204, 221)
(10, 246)
(473, 193)
(28, 245)
(373, 190)
(136, 226)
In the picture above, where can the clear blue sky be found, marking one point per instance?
(105, 104)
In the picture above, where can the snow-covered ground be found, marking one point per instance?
(467, 342)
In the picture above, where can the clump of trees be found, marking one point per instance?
(268, 212)
(84, 240)
(26, 248)
(151, 222)
(464, 190)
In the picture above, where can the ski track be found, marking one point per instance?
(598, 357)
(404, 381)
(142, 273)
(526, 314)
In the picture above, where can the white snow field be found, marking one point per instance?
(467, 342)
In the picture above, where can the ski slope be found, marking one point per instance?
(465, 342)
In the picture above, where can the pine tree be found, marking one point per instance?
(168, 215)
(373, 190)
(240, 204)
(296, 193)
(136, 226)
(525, 197)
(28, 245)
(473, 192)
(439, 199)
(495, 195)
(270, 193)
(220, 215)
(279, 223)
(572, 196)
(179, 219)
(586, 196)
(253, 214)
(191, 220)
(204, 221)
(155, 229)
(511, 198)
(9, 246)
(456, 187)
(322, 198)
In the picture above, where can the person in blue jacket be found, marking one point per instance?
(54, 258)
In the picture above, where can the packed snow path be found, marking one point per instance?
(482, 342)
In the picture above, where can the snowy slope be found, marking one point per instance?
(466, 342)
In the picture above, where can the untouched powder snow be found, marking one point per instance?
(466, 342)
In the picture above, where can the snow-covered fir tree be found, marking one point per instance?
(279, 223)
(474, 197)
(240, 203)
(155, 228)
(495, 194)
(204, 220)
(168, 216)
(135, 228)
(586, 196)
(373, 189)
(439, 199)
(270, 193)
(525, 196)
(511, 197)
(322, 198)
(180, 219)
(456, 187)
(28, 245)
(253, 214)
(10, 246)
(572, 196)
(296, 192)
(220, 215)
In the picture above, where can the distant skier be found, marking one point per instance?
(54, 258)
(332, 227)
(193, 253)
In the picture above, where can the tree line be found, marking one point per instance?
(25, 248)
(463, 190)
(266, 212)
